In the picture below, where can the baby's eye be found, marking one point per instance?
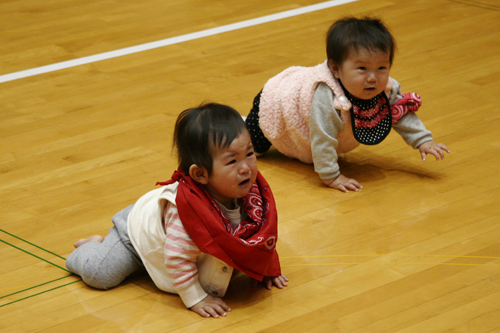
(383, 68)
(362, 68)
(231, 162)
(250, 154)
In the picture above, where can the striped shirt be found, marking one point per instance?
(180, 250)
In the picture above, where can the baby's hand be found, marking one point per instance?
(342, 183)
(269, 281)
(430, 147)
(211, 307)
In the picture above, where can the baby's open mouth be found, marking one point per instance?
(245, 182)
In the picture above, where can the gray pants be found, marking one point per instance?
(105, 265)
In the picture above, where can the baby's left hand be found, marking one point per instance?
(436, 149)
(269, 281)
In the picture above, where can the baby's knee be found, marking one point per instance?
(92, 271)
(99, 279)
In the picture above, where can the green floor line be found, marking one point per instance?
(22, 291)
(43, 292)
(31, 254)
(5, 232)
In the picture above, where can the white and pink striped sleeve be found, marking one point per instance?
(180, 259)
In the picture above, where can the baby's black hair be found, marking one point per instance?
(352, 33)
(198, 131)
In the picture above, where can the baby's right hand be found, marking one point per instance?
(211, 307)
(342, 183)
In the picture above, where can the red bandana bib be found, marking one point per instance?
(251, 246)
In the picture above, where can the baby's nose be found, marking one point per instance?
(244, 168)
(371, 77)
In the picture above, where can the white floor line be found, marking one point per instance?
(170, 41)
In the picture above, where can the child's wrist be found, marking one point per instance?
(329, 181)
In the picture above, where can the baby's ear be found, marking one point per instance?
(198, 174)
(334, 68)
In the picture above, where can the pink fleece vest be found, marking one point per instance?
(285, 108)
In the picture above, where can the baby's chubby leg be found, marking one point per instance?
(105, 263)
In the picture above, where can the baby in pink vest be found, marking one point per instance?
(315, 113)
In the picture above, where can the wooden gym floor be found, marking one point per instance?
(417, 250)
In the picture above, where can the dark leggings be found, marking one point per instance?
(260, 143)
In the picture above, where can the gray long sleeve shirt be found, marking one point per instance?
(328, 136)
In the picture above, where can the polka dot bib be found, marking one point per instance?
(371, 119)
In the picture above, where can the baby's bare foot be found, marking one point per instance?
(96, 238)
